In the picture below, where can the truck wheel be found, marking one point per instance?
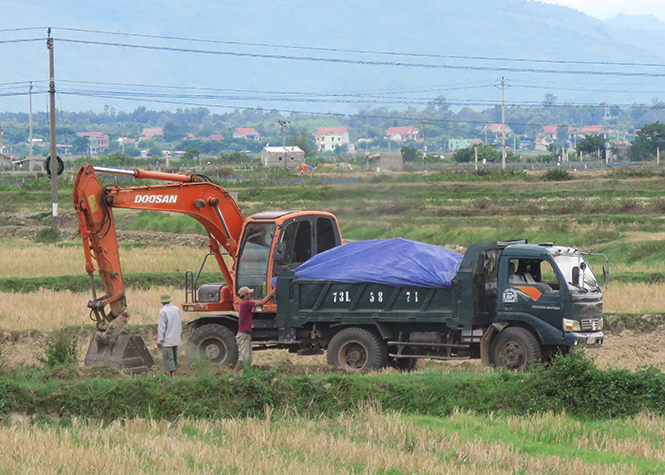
(402, 364)
(514, 348)
(357, 349)
(216, 342)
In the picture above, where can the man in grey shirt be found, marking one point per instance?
(169, 329)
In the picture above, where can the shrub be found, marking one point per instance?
(47, 236)
(60, 352)
(557, 174)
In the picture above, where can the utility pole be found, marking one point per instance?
(54, 147)
(424, 146)
(606, 111)
(30, 119)
(503, 124)
(282, 123)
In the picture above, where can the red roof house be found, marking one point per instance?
(402, 134)
(592, 130)
(99, 141)
(249, 133)
(327, 138)
(149, 134)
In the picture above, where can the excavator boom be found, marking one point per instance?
(191, 194)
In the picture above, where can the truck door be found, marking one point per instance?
(530, 291)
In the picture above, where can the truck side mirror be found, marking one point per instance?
(576, 276)
(606, 276)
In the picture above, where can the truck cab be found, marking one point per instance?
(553, 290)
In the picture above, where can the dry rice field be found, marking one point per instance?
(365, 443)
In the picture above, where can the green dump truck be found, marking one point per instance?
(509, 303)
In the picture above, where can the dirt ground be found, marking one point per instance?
(624, 350)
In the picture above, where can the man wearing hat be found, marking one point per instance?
(169, 328)
(244, 336)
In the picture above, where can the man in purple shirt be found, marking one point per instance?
(244, 336)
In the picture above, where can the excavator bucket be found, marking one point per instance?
(128, 353)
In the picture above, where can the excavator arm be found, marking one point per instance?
(191, 194)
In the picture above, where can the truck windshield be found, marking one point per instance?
(253, 257)
(577, 273)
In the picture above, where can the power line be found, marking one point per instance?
(365, 62)
(26, 40)
(360, 51)
(24, 29)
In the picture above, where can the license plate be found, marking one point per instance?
(591, 340)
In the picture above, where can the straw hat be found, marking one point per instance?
(244, 291)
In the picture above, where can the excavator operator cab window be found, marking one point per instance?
(253, 257)
(325, 235)
(297, 242)
(302, 239)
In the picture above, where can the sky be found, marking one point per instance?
(224, 55)
(604, 9)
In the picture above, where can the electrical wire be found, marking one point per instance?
(343, 50)
(503, 69)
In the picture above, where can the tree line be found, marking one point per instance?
(369, 124)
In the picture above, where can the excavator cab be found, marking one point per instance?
(273, 241)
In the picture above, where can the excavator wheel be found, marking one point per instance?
(127, 353)
(216, 342)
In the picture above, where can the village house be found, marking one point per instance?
(98, 141)
(384, 161)
(290, 157)
(327, 138)
(150, 134)
(497, 130)
(248, 133)
(403, 134)
(549, 132)
(458, 144)
(593, 130)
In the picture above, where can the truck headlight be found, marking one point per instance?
(571, 325)
(601, 324)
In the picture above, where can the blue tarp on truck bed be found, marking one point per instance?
(394, 262)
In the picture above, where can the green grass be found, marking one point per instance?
(571, 384)
(549, 436)
(81, 283)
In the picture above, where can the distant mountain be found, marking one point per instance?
(456, 48)
(637, 22)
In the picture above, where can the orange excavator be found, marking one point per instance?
(259, 247)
